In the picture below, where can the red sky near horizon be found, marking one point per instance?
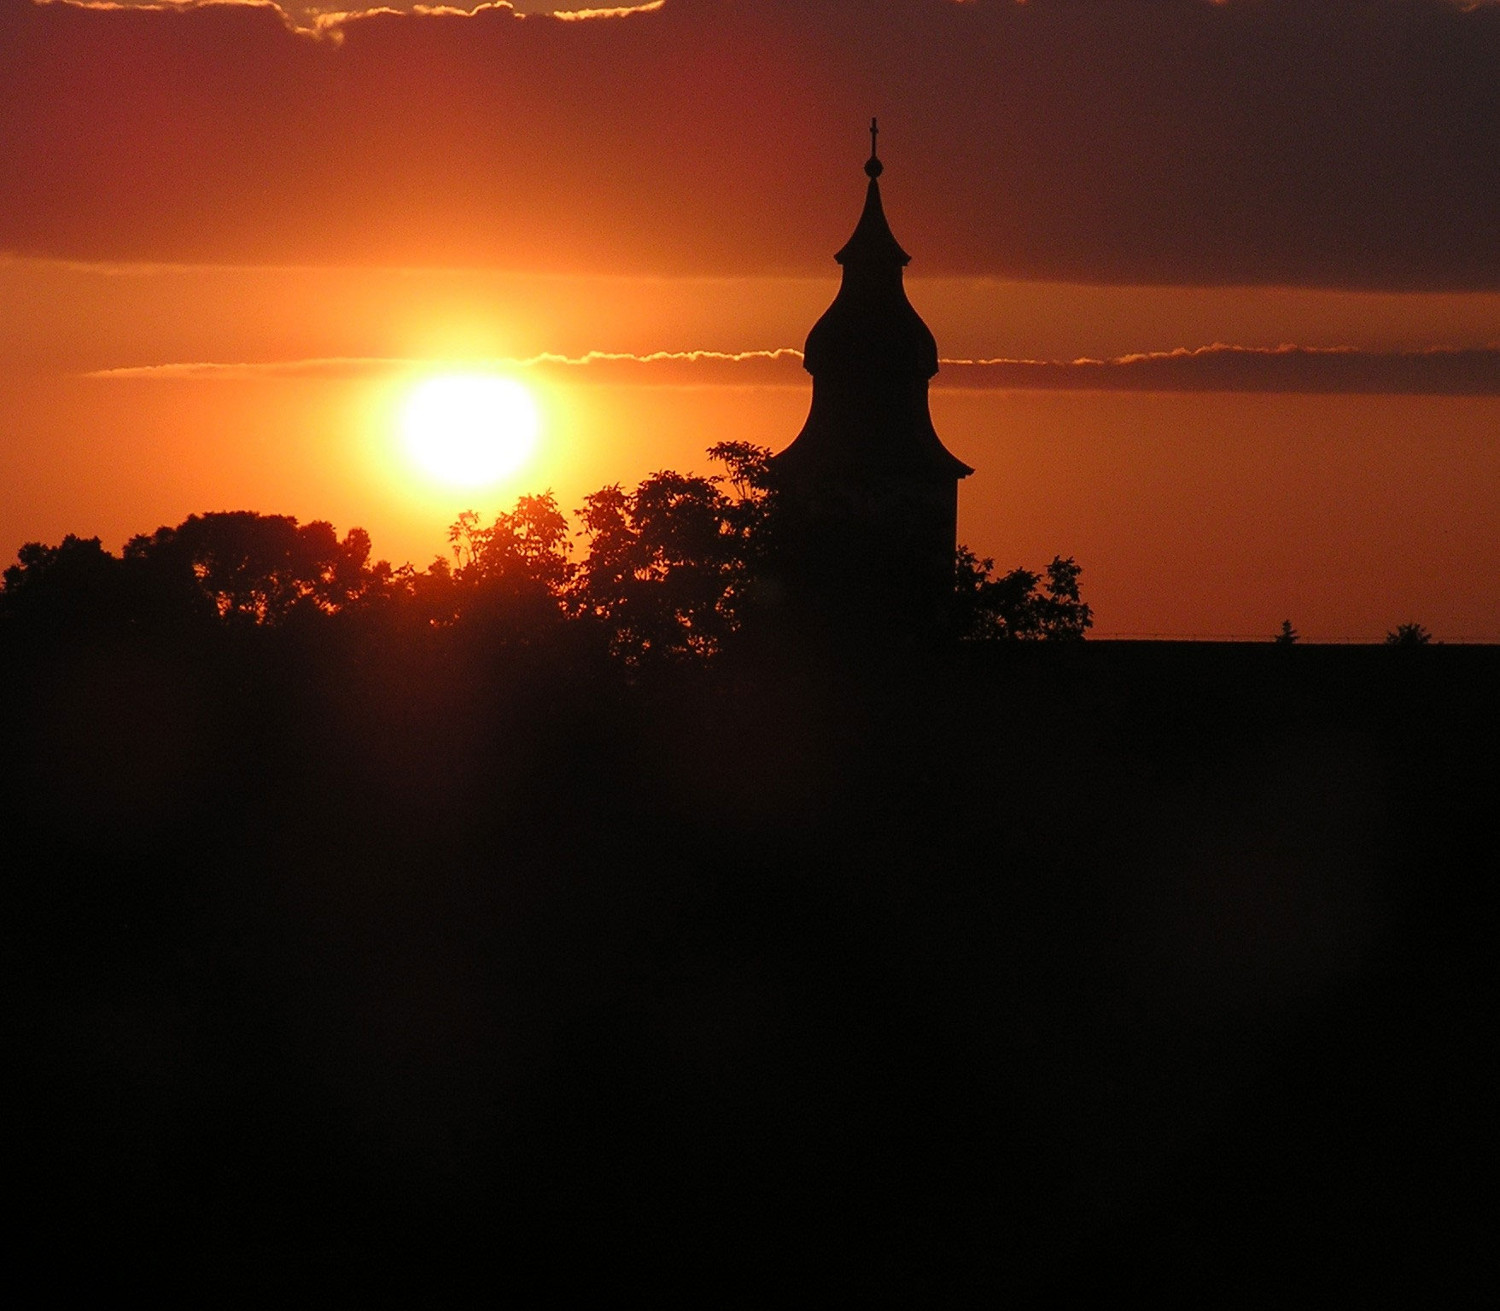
(232, 236)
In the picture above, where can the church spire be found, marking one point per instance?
(871, 357)
(871, 332)
(868, 479)
(873, 246)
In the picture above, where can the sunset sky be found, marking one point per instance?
(1216, 285)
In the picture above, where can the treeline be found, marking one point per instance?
(675, 570)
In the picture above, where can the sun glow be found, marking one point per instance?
(469, 429)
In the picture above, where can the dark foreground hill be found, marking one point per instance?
(1037, 970)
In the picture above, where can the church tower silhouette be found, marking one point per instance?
(869, 493)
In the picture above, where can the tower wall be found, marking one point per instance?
(869, 555)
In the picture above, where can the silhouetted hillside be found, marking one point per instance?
(351, 955)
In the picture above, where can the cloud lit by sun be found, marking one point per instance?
(469, 429)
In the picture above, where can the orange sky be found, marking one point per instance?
(171, 342)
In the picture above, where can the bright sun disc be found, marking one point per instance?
(469, 429)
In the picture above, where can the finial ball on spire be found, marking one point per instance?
(873, 167)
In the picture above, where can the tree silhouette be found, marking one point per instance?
(1288, 635)
(514, 573)
(673, 565)
(73, 583)
(260, 569)
(1019, 606)
(531, 543)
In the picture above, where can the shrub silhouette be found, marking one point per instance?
(1408, 635)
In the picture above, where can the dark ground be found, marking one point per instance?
(1025, 972)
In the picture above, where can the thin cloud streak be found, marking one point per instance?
(356, 366)
(612, 11)
(692, 367)
(1438, 371)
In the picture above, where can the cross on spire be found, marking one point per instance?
(873, 167)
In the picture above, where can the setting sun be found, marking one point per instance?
(469, 429)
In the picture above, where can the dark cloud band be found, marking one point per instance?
(1291, 142)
